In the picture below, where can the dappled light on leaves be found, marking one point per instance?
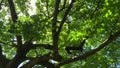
(59, 34)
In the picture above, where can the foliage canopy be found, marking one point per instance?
(59, 33)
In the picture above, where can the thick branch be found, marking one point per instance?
(1, 50)
(47, 64)
(20, 55)
(46, 46)
(19, 40)
(89, 53)
(22, 51)
(12, 10)
(37, 60)
(56, 34)
(55, 14)
(14, 18)
(54, 27)
(3, 59)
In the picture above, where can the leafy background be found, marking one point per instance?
(88, 19)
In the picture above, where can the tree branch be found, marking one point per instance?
(37, 60)
(19, 40)
(55, 14)
(13, 12)
(64, 17)
(20, 55)
(14, 19)
(92, 52)
(22, 51)
(3, 59)
(54, 27)
(46, 46)
(80, 47)
(47, 64)
(56, 33)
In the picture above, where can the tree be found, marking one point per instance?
(60, 33)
